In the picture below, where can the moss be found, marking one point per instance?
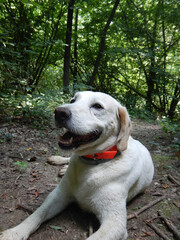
(167, 208)
(163, 161)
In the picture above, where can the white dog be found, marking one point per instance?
(107, 167)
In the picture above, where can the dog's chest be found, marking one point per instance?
(88, 184)
(85, 178)
(87, 191)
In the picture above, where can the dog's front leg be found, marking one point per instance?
(113, 224)
(111, 229)
(56, 201)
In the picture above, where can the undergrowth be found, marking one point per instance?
(36, 109)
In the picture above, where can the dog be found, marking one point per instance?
(106, 170)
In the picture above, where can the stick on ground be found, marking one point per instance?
(157, 230)
(145, 208)
(169, 224)
(173, 180)
(19, 205)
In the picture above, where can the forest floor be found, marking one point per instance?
(26, 179)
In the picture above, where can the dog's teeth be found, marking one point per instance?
(71, 140)
(63, 131)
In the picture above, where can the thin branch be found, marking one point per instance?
(19, 205)
(134, 90)
(145, 208)
(157, 230)
(102, 42)
(169, 224)
(145, 24)
(127, 84)
(47, 50)
(133, 44)
(173, 180)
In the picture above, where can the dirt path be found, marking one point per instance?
(30, 180)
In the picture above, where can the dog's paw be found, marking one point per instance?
(58, 160)
(62, 171)
(13, 234)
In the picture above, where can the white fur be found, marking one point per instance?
(102, 189)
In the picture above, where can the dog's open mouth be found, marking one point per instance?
(68, 140)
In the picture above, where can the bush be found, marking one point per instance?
(36, 109)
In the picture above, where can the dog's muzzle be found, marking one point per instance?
(69, 139)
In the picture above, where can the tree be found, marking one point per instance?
(128, 48)
(75, 59)
(67, 54)
(102, 43)
(151, 37)
(26, 42)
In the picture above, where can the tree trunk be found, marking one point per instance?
(75, 51)
(150, 83)
(164, 56)
(175, 100)
(44, 54)
(67, 53)
(102, 43)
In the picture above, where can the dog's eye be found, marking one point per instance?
(72, 100)
(97, 106)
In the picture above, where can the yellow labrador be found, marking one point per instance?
(107, 167)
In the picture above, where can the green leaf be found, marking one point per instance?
(55, 227)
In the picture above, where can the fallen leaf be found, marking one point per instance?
(56, 227)
(36, 193)
(31, 188)
(178, 154)
(165, 186)
(3, 196)
(146, 234)
(28, 149)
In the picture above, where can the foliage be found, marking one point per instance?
(28, 32)
(5, 137)
(137, 41)
(21, 165)
(36, 109)
(170, 127)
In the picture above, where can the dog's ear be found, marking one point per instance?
(125, 128)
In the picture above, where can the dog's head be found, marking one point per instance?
(92, 122)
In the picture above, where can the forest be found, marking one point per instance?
(128, 49)
(49, 49)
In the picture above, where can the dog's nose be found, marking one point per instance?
(62, 114)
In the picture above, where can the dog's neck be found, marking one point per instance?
(103, 157)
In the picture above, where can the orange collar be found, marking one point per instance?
(103, 157)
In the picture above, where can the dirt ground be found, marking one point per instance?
(26, 179)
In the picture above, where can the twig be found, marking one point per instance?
(176, 204)
(157, 230)
(145, 208)
(52, 185)
(17, 179)
(173, 180)
(19, 205)
(169, 224)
